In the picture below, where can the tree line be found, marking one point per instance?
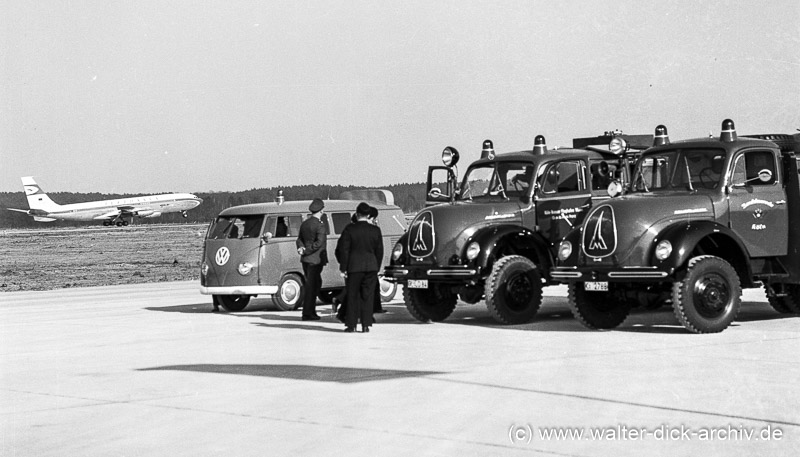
(408, 196)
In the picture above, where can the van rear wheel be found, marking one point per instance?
(388, 289)
(233, 303)
(290, 293)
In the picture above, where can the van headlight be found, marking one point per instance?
(397, 251)
(663, 249)
(245, 268)
(204, 268)
(564, 250)
(473, 250)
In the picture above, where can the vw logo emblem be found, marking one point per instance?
(223, 254)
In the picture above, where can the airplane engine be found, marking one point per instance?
(145, 213)
(154, 214)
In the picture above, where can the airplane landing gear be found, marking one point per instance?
(106, 223)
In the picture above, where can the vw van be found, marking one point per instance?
(249, 250)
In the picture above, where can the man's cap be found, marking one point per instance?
(316, 205)
(363, 209)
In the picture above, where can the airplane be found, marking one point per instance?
(112, 212)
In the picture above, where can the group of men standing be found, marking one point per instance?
(359, 252)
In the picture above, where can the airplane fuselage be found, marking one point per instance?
(144, 206)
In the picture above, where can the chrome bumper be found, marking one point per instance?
(239, 290)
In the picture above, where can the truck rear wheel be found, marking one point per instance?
(788, 304)
(433, 304)
(597, 310)
(513, 290)
(708, 298)
(290, 293)
(233, 302)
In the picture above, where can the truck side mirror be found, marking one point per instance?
(266, 237)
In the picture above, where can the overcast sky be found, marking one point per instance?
(154, 96)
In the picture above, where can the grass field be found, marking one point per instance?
(44, 259)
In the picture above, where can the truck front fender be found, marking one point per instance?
(501, 240)
(690, 239)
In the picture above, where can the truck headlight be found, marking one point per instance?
(397, 251)
(204, 268)
(663, 249)
(245, 268)
(473, 250)
(564, 250)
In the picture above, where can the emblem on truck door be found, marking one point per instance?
(600, 234)
(421, 238)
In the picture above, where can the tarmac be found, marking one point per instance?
(147, 370)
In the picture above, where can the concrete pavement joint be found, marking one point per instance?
(617, 402)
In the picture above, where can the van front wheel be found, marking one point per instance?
(233, 303)
(290, 293)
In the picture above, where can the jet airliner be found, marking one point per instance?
(117, 212)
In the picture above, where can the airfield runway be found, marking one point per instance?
(147, 370)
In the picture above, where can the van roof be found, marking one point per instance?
(300, 207)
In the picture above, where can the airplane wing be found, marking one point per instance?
(108, 215)
(18, 210)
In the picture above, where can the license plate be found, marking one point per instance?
(597, 286)
(417, 283)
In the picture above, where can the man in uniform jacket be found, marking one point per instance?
(360, 252)
(311, 244)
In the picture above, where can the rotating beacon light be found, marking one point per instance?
(450, 156)
(661, 137)
(728, 133)
(488, 150)
(539, 145)
(279, 199)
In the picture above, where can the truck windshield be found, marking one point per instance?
(691, 169)
(236, 227)
(497, 179)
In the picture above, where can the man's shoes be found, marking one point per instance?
(215, 310)
(311, 318)
(364, 329)
(350, 330)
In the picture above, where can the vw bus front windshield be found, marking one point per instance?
(690, 168)
(236, 227)
(497, 179)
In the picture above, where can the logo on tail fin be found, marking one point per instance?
(32, 190)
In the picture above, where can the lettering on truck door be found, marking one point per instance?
(758, 210)
(563, 197)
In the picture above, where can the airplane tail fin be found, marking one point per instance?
(37, 199)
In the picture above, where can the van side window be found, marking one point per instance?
(294, 223)
(340, 221)
(563, 177)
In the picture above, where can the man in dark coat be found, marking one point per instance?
(311, 246)
(360, 252)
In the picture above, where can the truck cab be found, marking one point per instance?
(493, 234)
(705, 218)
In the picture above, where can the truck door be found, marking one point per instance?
(758, 210)
(563, 197)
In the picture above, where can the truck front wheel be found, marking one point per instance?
(513, 290)
(708, 298)
(290, 293)
(433, 304)
(597, 310)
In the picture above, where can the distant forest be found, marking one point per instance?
(409, 197)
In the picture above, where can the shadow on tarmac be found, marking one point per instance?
(553, 316)
(344, 375)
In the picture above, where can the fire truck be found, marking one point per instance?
(704, 219)
(494, 234)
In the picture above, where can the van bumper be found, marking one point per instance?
(625, 274)
(239, 290)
